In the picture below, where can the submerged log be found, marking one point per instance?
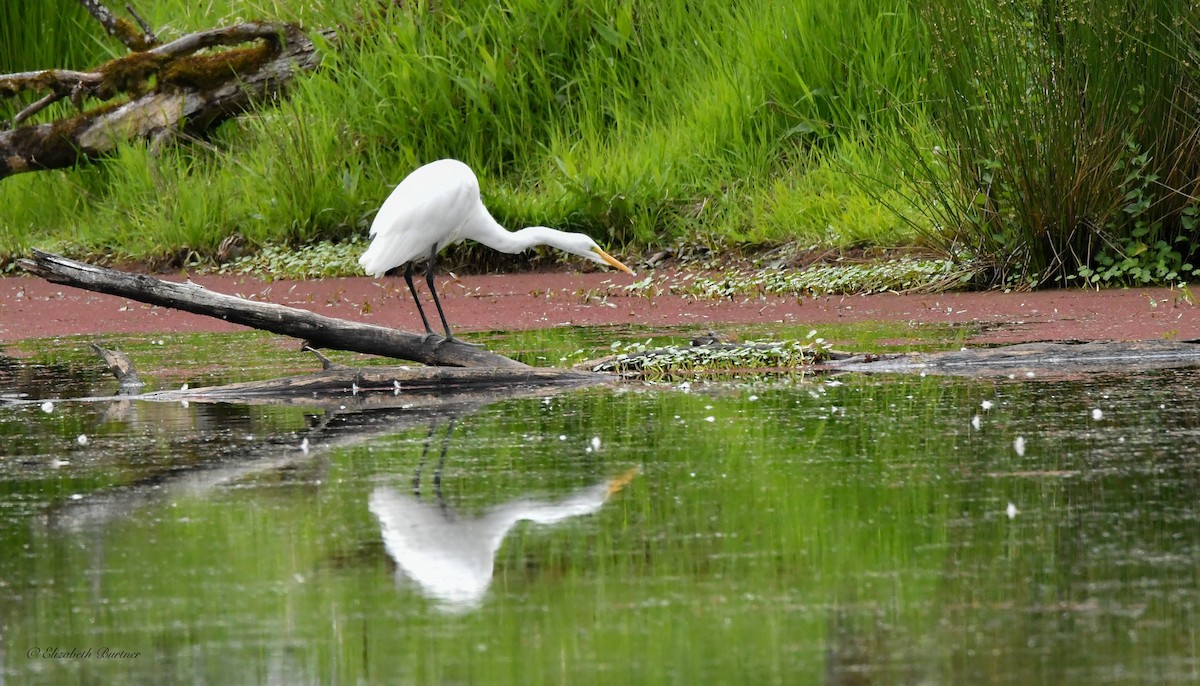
(316, 330)
(1029, 360)
(386, 387)
(717, 359)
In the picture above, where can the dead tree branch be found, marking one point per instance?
(119, 28)
(315, 329)
(171, 88)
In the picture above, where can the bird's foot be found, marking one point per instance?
(452, 339)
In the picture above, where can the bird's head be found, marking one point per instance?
(582, 244)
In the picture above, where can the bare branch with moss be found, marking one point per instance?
(181, 86)
(121, 29)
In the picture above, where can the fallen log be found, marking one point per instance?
(316, 330)
(716, 359)
(362, 388)
(192, 93)
(1028, 360)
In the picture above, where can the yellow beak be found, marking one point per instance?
(613, 261)
(619, 482)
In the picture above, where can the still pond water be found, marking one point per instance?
(863, 530)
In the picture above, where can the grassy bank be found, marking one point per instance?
(641, 123)
(1040, 145)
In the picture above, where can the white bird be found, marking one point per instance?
(439, 205)
(451, 557)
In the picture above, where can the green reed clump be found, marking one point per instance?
(1071, 148)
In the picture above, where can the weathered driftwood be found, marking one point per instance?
(1029, 359)
(121, 367)
(1026, 359)
(363, 388)
(315, 329)
(191, 93)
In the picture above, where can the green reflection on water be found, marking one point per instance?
(796, 533)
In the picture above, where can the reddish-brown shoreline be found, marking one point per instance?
(33, 308)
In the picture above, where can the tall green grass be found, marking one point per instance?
(44, 34)
(1072, 137)
(642, 123)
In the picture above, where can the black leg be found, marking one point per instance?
(408, 272)
(437, 303)
(433, 291)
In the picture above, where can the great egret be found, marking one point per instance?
(439, 205)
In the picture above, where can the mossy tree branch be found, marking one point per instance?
(119, 28)
(169, 88)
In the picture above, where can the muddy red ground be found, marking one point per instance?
(32, 308)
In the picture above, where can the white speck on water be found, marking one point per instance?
(82, 439)
(47, 407)
(1019, 445)
(1121, 439)
(353, 388)
(76, 496)
(595, 442)
(304, 446)
(685, 386)
(562, 437)
(1097, 414)
(833, 382)
(56, 463)
(710, 419)
(1029, 375)
(395, 387)
(752, 398)
(986, 405)
(975, 422)
(1011, 511)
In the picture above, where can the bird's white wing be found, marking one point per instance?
(428, 208)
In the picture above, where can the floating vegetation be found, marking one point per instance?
(714, 359)
(895, 275)
(323, 259)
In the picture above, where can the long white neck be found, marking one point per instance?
(488, 231)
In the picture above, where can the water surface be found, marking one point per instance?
(857, 530)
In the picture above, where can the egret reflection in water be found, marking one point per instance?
(449, 557)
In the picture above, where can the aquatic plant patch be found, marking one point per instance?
(713, 358)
